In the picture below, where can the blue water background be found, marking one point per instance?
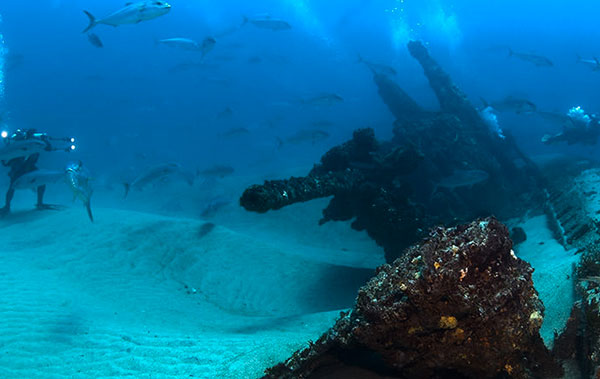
(127, 109)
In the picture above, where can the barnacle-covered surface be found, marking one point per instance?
(461, 304)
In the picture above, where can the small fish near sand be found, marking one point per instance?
(205, 229)
(267, 22)
(156, 174)
(536, 60)
(214, 206)
(79, 179)
(132, 13)
(95, 40)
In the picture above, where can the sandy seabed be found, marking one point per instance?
(142, 295)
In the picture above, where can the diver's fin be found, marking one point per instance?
(88, 207)
(127, 188)
(92, 23)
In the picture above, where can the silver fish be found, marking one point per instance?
(266, 22)
(37, 178)
(78, 179)
(95, 40)
(157, 173)
(207, 45)
(463, 178)
(132, 13)
(23, 148)
(322, 123)
(594, 63)
(323, 99)
(181, 43)
(537, 60)
(214, 205)
(225, 113)
(235, 132)
(377, 68)
(512, 104)
(306, 135)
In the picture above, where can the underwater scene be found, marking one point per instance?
(352, 189)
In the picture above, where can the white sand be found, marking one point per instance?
(142, 295)
(553, 275)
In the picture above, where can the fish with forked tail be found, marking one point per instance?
(537, 60)
(189, 44)
(79, 179)
(157, 173)
(267, 22)
(462, 178)
(593, 63)
(40, 177)
(132, 13)
(511, 104)
(324, 99)
(95, 40)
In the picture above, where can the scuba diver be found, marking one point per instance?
(578, 127)
(21, 152)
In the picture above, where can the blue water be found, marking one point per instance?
(122, 100)
(134, 103)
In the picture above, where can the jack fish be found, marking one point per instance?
(132, 13)
(78, 179)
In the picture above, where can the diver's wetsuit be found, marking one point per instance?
(572, 136)
(575, 133)
(19, 167)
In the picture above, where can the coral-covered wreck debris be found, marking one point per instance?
(459, 305)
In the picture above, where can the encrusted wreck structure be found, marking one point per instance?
(441, 167)
(460, 305)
